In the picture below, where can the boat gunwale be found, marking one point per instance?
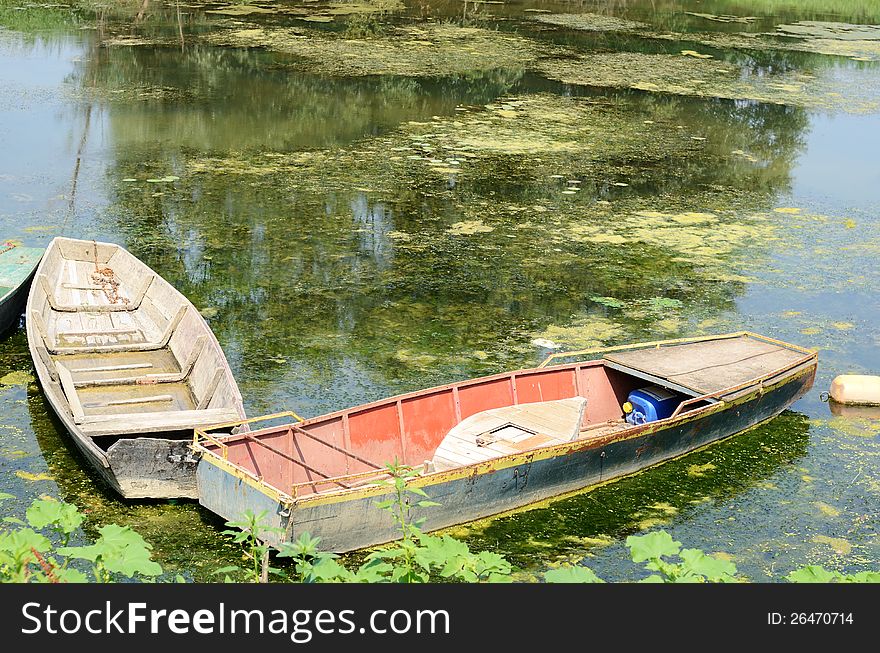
(743, 394)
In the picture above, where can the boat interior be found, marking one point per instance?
(131, 355)
(478, 420)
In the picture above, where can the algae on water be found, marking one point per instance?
(710, 78)
(417, 51)
(590, 22)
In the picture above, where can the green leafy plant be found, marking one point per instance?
(817, 574)
(658, 547)
(249, 532)
(572, 575)
(29, 556)
(416, 557)
(119, 550)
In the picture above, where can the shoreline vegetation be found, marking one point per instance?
(41, 549)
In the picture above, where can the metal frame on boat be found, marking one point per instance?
(277, 469)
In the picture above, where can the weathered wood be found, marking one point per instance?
(708, 367)
(73, 401)
(124, 402)
(113, 368)
(162, 421)
(97, 387)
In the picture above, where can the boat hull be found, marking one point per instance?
(12, 307)
(18, 270)
(351, 520)
(139, 468)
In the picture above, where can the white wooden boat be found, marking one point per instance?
(128, 364)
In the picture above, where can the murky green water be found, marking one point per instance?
(363, 203)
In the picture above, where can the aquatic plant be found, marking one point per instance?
(416, 557)
(29, 553)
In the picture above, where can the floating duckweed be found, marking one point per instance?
(831, 30)
(787, 209)
(839, 544)
(694, 53)
(29, 476)
(699, 470)
(468, 228)
(723, 18)
(426, 50)
(240, 10)
(584, 333)
(420, 361)
(590, 22)
(651, 522)
(209, 311)
(827, 510)
(16, 378)
(665, 508)
(687, 75)
(842, 326)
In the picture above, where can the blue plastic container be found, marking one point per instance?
(651, 403)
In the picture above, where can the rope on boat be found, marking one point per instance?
(106, 278)
(9, 245)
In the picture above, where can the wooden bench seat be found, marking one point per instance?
(163, 421)
(58, 345)
(133, 303)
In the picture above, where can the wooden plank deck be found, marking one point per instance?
(707, 367)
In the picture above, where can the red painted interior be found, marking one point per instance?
(410, 428)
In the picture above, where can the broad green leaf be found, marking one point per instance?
(20, 542)
(812, 574)
(572, 575)
(386, 553)
(653, 578)
(69, 575)
(715, 570)
(44, 513)
(864, 577)
(328, 571)
(373, 571)
(120, 550)
(652, 545)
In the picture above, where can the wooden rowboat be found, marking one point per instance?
(497, 443)
(17, 265)
(127, 364)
